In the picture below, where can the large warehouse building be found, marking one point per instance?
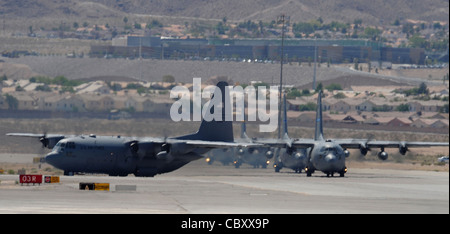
(302, 50)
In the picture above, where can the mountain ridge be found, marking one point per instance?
(373, 12)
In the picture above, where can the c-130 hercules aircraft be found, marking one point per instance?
(328, 155)
(120, 156)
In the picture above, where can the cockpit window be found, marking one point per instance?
(60, 146)
(328, 150)
(70, 145)
(56, 147)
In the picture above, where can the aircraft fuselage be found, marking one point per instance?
(296, 160)
(328, 157)
(112, 156)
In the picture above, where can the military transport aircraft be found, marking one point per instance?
(328, 155)
(286, 154)
(255, 156)
(139, 156)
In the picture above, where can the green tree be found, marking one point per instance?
(137, 25)
(423, 89)
(402, 107)
(319, 87)
(416, 41)
(310, 106)
(220, 28)
(13, 103)
(168, 79)
(339, 96)
(333, 86)
(372, 33)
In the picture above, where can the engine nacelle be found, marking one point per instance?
(269, 154)
(134, 146)
(363, 151)
(176, 148)
(142, 149)
(382, 155)
(346, 153)
(163, 155)
(403, 149)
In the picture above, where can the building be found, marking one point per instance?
(399, 122)
(98, 87)
(302, 50)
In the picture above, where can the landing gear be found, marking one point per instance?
(278, 167)
(342, 173)
(237, 163)
(309, 171)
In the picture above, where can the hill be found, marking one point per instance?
(372, 12)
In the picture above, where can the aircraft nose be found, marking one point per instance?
(52, 159)
(330, 158)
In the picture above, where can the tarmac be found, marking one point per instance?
(199, 188)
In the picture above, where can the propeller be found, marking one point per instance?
(363, 146)
(403, 148)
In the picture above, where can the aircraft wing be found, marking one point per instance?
(281, 143)
(303, 143)
(356, 144)
(397, 144)
(47, 140)
(219, 144)
(34, 135)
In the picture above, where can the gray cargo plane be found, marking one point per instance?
(255, 156)
(286, 154)
(120, 156)
(328, 155)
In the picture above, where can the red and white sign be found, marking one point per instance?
(30, 179)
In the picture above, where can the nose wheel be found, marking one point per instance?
(342, 173)
(309, 171)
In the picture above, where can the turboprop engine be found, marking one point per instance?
(382, 155)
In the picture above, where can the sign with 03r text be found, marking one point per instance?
(30, 179)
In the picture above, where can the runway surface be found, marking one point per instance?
(200, 188)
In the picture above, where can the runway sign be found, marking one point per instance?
(51, 179)
(86, 186)
(94, 186)
(30, 179)
(101, 186)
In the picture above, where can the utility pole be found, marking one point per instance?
(140, 58)
(315, 60)
(281, 19)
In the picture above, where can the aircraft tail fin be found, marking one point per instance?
(319, 121)
(244, 131)
(220, 130)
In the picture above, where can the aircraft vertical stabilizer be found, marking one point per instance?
(319, 121)
(213, 130)
(244, 131)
